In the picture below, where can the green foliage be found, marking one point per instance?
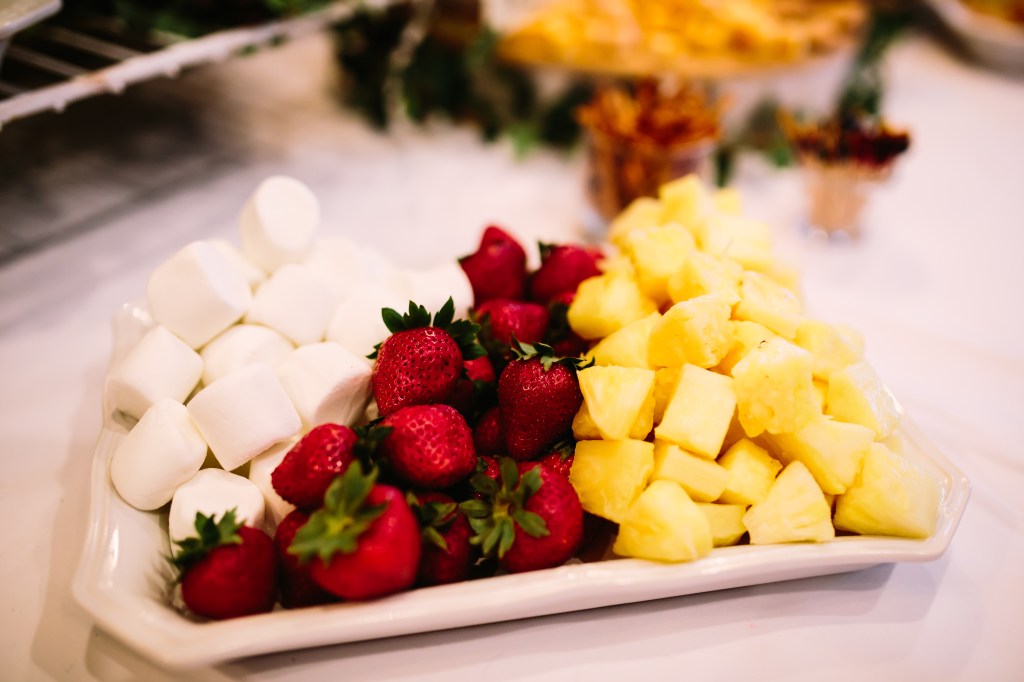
(210, 534)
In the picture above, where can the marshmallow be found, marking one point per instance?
(383, 273)
(159, 366)
(340, 263)
(327, 384)
(357, 323)
(296, 302)
(260, 470)
(243, 414)
(278, 222)
(160, 453)
(214, 492)
(252, 274)
(432, 288)
(197, 293)
(241, 346)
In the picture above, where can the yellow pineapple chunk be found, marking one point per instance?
(891, 496)
(657, 253)
(705, 274)
(831, 349)
(665, 380)
(617, 265)
(641, 213)
(606, 303)
(832, 451)
(853, 338)
(626, 347)
(664, 524)
(769, 303)
(783, 273)
(702, 478)
(728, 200)
(685, 201)
(696, 332)
(751, 472)
(726, 521)
(745, 336)
(795, 510)
(820, 393)
(699, 411)
(774, 389)
(746, 241)
(609, 475)
(584, 428)
(617, 398)
(857, 395)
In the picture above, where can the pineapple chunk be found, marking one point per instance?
(705, 274)
(699, 411)
(857, 395)
(745, 336)
(584, 428)
(726, 521)
(664, 524)
(784, 274)
(751, 472)
(767, 302)
(641, 213)
(606, 303)
(617, 265)
(617, 398)
(695, 332)
(685, 201)
(657, 253)
(703, 479)
(626, 347)
(832, 451)
(665, 380)
(795, 510)
(829, 346)
(891, 496)
(820, 393)
(774, 389)
(728, 200)
(609, 475)
(746, 241)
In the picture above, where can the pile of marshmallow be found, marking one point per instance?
(251, 348)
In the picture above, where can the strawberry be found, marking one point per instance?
(561, 458)
(475, 390)
(429, 446)
(447, 554)
(307, 470)
(562, 268)
(531, 518)
(487, 436)
(298, 588)
(227, 569)
(488, 466)
(422, 361)
(502, 320)
(498, 267)
(538, 395)
(364, 542)
(560, 335)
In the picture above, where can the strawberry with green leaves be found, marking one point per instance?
(497, 269)
(447, 553)
(562, 268)
(297, 586)
(227, 570)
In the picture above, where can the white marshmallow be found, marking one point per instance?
(197, 293)
(243, 414)
(252, 274)
(383, 273)
(357, 323)
(432, 288)
(260, 470)
(296, 302)
(161, 452)
(159, 366)
(241, 346)
(327, 384)
(214, 492)
(278, 222)
(340, 263)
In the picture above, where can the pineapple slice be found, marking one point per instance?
(769, 303)
(746, 241)
(745, 336)
(695, 332)
(609, 475)
(584, 428)
(891, 496)
(705, 274)
(774, 389)
(665, 380)
(703, 479)
(857, 395)
(606, 303)
(795, 510)
(664, 524)
(657, 253)
(699, 411)
(685, 201)
(641, 213)
(751, 473)
(617, 398)
(626, 347)
(830, 347)
(726, 521)
(832, 451)
(728, 200)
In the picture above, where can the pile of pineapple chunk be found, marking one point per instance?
(715, 409)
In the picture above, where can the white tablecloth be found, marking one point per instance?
(936, 287)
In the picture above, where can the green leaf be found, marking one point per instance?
(392, 320)
(433, 537)
(531, 523)
(509, 473)
(210, 533)
(531, 483)
(545, 250)
(445, 315)
(482, 483)
(475, 509)
(508, 537)
(491, 538)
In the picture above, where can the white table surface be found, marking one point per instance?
(936, 287)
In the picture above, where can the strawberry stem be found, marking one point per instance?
(495, 517)
(210, 533)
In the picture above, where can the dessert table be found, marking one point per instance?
(935, 285)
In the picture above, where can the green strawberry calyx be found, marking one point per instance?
(501, 508)
(546, 355)
(210, 534)
(336, 527)
(432, 517)
(463, 332)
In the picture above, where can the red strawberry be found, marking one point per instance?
(560, 336)
(562, 268)
(487, 436)
(488, 466)
(498, 267)
(538, 395)
(298, 588)
(430, 446)
(531, 518)
(501, 319)
(227, 569)
(447, 555)
(561, 459)
(421, 362)
(364, 542)
(475, 389)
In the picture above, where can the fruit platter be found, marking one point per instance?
(305, 444)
